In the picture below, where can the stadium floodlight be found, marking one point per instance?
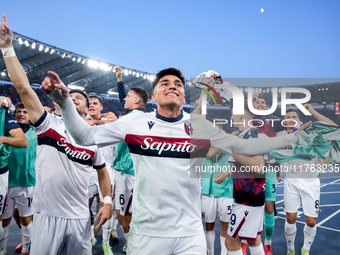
(112, 93)
(20, 41)
(267, 90)
(93, 63)
(104, 66)
(110, 68)
(126, 72)
(79, 59)
(326, 88)
(73, 59)
(137, 75)
(75, 87)
(3, 74)
(33, 45)
(130, 72)
(41, 47)
(47, 49)
(83, 62)
(134, 73)
(52, 51)
(27, 43)
(64, 55)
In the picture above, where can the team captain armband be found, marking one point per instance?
(107, 200)
(8, 52)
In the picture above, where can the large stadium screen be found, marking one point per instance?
(337, 108)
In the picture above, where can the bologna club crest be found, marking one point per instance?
(188, 128)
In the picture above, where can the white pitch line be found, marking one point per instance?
(330, 205)
(302, 222)
(324, 185)
(321, 193)
(329, 217)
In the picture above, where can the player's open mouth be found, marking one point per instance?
(171, 94)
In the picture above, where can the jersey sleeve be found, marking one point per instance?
(113, 132)
(45, 122)
(10, 122)
(232, 144)
(99, 160)
(121, 93)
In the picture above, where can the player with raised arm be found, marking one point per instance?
(11, 135)
(246, 220)
(217, 188)
(134, 100)
(60, 205)
(21, 182)
(163, 144)
(301, 186)
(96, 106)
(269, 127)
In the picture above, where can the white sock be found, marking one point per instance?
(106, 227)
(5, 234)
(126, 236)
(267, 242)
(210, 237)
(309, 235)
(114, 216)
(224, 249)
(92, 231)
(239, 252)
(26, 237)
(258, 250)
(290, 231)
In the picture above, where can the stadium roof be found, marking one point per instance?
(95, 76)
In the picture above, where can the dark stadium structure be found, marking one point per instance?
(97, 77)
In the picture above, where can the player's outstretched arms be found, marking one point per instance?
(17, 74)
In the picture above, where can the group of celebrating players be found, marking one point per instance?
(147, 155)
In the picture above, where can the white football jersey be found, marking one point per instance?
(62, 171)
(165, 154)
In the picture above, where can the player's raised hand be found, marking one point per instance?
(54, 82)
(6, 34)
(309, 107)
(118, 72)
(106, 213)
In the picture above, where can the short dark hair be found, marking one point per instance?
(82, 93)
(141, 93)
(293, 110)
(19, 105)
(168, 71)
(97, 97)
